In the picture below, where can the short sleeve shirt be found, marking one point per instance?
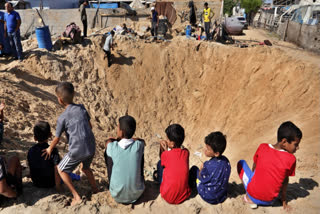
(108, 43)
(127, 181)
(41, 170)
(74, 121)
(11, 20)
(214, 178)
(272, 167)
(174, 187)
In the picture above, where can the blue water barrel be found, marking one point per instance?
(44, 38)
(188, 30)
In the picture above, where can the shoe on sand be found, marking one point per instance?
(252, 206)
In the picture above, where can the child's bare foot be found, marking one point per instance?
(247, 200)
(2, 106)
(76, 201)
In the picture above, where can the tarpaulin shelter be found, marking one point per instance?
(166, 9)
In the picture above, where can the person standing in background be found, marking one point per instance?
(154, 22)
(12, 23)
(83, 15)
(207, 16)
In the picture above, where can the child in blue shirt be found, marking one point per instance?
(213, 176)
(124, 159)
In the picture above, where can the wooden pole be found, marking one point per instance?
(40, 18)
(93, 25)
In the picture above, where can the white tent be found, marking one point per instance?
(136, 4)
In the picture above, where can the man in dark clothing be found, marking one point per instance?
(192, 14)
(155, 22)
(83, 16)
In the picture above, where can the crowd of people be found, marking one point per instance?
(10, 40)
(124, 158)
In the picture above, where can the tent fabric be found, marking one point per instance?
(136, 4)
(166, 9)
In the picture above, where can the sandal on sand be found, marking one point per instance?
(252, 206)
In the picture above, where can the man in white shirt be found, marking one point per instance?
(108, 45)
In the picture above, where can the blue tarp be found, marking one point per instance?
(105, 5)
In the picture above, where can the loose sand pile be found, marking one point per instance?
(245, 93)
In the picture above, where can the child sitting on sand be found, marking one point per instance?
(173, 167)
(213, 177)
(44, 173)
(124, 159)
(75, 122)
(273, 164)
(10, 177)
(2, 106)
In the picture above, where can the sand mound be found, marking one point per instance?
(245, 93)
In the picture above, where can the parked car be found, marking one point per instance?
(233, 26)
(243, 21)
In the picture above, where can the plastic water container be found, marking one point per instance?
(188, 30)
(44, 38)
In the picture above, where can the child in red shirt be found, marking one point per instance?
(273, 164)
(173, 167)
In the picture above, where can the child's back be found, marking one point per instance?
(173, 167)
(75, 122)
(272, 167)
(174, 187)
(41, 170)
(214, 178)
(273, 164)
(127, 181)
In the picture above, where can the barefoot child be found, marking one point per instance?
(44, 173)
(75, 122)
(273, 164)
(213, 177)
(124, 159)
(173, 167)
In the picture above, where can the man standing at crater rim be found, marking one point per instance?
(207, 16)
(12, 23)
(83, 15)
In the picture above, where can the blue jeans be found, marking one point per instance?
(1, 131)
(193, 175)
(160, 172)
(15, 43)
(246, 175)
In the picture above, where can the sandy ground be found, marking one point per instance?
(244, 92)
